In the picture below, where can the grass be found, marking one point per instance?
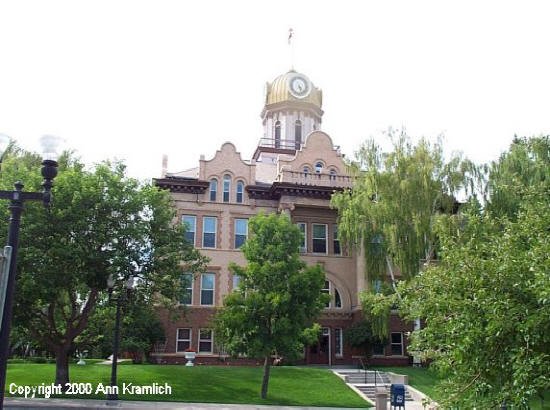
(288, 386)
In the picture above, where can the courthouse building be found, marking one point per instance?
(295, 169)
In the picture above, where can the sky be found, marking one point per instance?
(136, 79)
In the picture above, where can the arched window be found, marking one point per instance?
(335, 298)
(226, 187)
(213, 189)
(240, 192)
(306, 171)
(332, 173)
(318, 167)
(298, 134)
(278, 134)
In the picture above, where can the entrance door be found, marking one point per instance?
(319, 353)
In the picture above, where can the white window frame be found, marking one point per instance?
(213, 289)
(189, 288)
(213, 184)
(211, 341)
(236, 281)
(331, 291)
(226, 193)
(314, 238)
(392, 344)
(215, 231)
(194, 217)
(183, 340)
(335, 239)
(239, 190)
(303, 246)
(235, 232)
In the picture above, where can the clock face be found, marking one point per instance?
(299, 86)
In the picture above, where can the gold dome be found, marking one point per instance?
(280, 90)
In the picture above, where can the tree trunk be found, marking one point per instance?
(62, 367)
(265, 381)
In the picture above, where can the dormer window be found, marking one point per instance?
(318, 167)
(226, 187)
(213, 189)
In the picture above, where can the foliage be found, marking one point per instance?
(391, 211)
(101, 223)
(360, 335)
(278, 296)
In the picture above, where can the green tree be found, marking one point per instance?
(487, 307)
(101, 223)
(273, 310)
(390, 212)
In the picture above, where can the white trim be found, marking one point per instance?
(313, 239)
(213, 289)
(211, 341)
(183, 340)
(215, 231)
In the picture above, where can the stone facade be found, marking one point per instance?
(217, 198)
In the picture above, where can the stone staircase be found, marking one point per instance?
(367, 382)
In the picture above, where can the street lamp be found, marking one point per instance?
(17, 199)
(119, 299)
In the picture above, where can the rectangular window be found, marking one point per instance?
(190, 222)
(319, 238)
(226, 187)
(236, 281)
(241, 232)
(338, 341)
(335, 240)
(186, 296)
(397, 344)
(378, 349)
(303, 229)
(209, 227)
(206, 341)
(207, 288)
(183, 339)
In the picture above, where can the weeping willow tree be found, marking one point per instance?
(391, 210)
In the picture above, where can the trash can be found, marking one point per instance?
(397, 396)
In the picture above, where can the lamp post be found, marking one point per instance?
(17, 199)
(119, 300)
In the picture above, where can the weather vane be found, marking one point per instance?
(291, 48)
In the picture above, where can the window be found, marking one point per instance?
(278, 134)
(303, 229)
(378, 349)
(236, 281)
(332, 175)
(226, 187)
(240, 192)
(306, 171)
(326, 289)
(337, 299)
(207, 289)
(318, 167)
(186, 296)
(209, 226)
(213, 189)
(335, 240)
(206, 339)
(297, 134)
(183, 339)
(319, 238)
(397, 344)
(241, 232)
(190, 222)
(338, 342)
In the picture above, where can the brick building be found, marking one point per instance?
(294, 170)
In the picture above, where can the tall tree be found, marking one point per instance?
(278, 298)
(390, 211)
(101, 223)
(487, 303)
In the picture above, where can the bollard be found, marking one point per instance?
(381, 398)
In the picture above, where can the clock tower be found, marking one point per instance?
(292, 110)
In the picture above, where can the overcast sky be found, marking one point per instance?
(136, 79)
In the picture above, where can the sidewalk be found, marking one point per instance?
(62, 404)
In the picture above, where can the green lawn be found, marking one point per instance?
(207, 384)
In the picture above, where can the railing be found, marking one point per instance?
(315, 178)
(279, 143)
(363, 365)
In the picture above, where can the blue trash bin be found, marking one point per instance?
(397, 395)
